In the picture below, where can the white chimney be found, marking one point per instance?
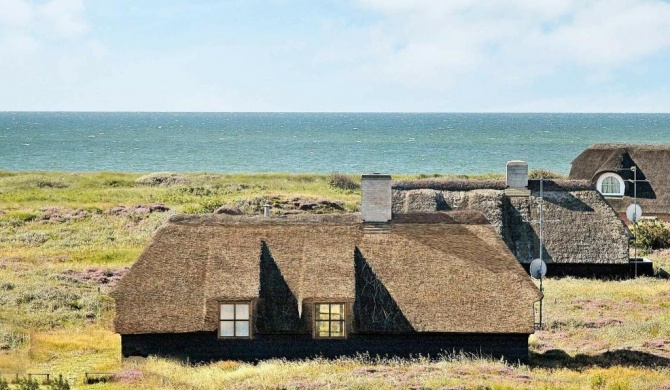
(376, 204)
(517, 174)
(517, 179)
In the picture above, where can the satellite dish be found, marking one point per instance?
(538, 269)
(634, 213)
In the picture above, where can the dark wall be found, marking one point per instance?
(598, 271)
(204, 346)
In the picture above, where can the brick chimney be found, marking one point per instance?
(376, 204)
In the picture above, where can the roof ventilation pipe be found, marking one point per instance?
(266, 209)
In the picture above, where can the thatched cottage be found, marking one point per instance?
(582, 234)
(250, 288)
(608, 167)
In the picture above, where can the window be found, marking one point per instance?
(329, 320)
(610, 184)
(235, 320)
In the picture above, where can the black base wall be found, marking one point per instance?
(600, 271)
(204, 346)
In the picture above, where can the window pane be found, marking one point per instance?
(322, 309)
(337, 312)
(607, 185)
(322, 328)
(227, 329)
(611, 186)
(242, 311)
(615, 185)
(242, 328)
(323, 316)
(336, 329)
(227, 312)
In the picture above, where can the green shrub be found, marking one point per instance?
(3, 384)
(652, 234)
(50, 184)
(342, 181)
(23, 216)
(597, 382)
(203, 207)
(28, 384)
(59, 384)
(116, 183)
(544, 174)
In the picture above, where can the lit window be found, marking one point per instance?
(610, 184)
(234, 320)
(330, 320)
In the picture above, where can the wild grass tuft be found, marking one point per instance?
(542, 173)
(343, 182)
(163, 179)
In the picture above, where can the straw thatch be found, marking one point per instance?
(448, 272)
(580, 227)
(652, 163)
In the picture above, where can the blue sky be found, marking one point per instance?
(350, 55)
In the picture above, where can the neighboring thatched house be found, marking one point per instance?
(608, 167)
(582, 234)
(249, 288)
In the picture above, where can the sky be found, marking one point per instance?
(335, 56)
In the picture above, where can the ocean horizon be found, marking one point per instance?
(397, 143)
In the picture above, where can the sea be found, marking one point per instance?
(396, 143)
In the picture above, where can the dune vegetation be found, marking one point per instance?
(67, 238)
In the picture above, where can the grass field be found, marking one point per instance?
(65, 238)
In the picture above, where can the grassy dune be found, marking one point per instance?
(66, 237)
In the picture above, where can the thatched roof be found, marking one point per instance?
(469, 185)
(580, 227)
(652, 162)
(448, 184)
(447, 272)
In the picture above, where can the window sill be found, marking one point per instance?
(233, 338)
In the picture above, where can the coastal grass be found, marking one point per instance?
(26, 192)
(597, 334)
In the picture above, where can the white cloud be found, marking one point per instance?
(15, 12)
(65, 17)
(511, 41)
(46, 53)
(648, 102)
(43, 20)
(613, 33)
(382, 55)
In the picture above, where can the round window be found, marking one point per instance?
(611, 184)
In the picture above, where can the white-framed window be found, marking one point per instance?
(610, 184)
(330, 321)
(234, 320)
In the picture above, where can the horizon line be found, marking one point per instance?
(335, 112)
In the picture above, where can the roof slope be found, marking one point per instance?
(652, 162)
(453, 274)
